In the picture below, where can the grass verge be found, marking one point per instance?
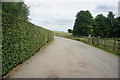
(104, 49)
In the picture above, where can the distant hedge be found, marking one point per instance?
(21, 39)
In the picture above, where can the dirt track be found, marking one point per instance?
(65, 58)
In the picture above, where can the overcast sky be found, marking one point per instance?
(60, 15)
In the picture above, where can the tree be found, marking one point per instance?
(110, 22)
(83, 20)
(90, 30)
(18, 9)
(70, 30)
(101, 27)
(117, 28)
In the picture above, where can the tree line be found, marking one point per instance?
(101, 26)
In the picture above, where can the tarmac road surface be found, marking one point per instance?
(65, 58)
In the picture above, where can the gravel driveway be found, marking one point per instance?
(65, 58)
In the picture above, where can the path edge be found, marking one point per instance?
(16, 68)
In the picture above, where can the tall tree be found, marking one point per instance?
(110, 22)
(18, 9)
(82, 24)
(101, 27)
(117, 28)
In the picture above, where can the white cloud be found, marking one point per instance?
(60, 15)
(71, 0)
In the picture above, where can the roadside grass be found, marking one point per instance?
(69, 36)
(104, 49)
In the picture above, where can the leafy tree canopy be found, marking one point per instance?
(83, 19)
(70, 30)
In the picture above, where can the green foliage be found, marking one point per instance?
(70, 30)
(90, 29)
(101, 27)
(21, 39)
(83, 19)
(17, 9)
(110, 23)
(116, 30)
(107, 26)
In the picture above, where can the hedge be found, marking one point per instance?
(21, 39)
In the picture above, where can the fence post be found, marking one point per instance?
(118, 45)
(98, 41)
(93, 40)
(88, 40)
(114, 44)
(105, 42)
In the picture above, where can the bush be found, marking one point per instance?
(21, 39)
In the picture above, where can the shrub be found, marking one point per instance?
(21, 39)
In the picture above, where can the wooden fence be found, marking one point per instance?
(112, 44)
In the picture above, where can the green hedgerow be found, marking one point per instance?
(21, 39)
